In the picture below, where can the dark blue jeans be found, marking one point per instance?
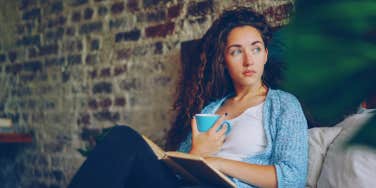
(123, 159)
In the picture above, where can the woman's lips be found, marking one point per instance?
(248, 72)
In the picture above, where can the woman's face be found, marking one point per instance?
(245, 56)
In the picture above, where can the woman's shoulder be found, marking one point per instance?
(284, 98)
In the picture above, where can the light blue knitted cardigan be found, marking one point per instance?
(287, 140)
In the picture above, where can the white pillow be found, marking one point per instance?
(319, 140)
(351, 167)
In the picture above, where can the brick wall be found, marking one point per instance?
(69, 68)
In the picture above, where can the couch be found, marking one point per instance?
(333, 165)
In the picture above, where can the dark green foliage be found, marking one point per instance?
(331, 59)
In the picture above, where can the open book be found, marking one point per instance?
(193, 169)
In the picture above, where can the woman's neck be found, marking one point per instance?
(245, 92)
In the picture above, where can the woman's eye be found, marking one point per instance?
(235, 52)
(256, 50)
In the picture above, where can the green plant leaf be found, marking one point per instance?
(331, 58)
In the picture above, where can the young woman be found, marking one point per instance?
(268, 143)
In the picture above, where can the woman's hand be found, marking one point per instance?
(210, 142)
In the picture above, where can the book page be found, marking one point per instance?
(156, 149)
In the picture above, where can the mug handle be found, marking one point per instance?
(228, 124)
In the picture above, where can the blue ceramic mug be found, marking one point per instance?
(206, 121)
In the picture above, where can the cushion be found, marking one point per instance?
(319, 140)
(349, 167)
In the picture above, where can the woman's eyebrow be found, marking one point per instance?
(255, 42)
(238, 45)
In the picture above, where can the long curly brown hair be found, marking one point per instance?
(210, 80)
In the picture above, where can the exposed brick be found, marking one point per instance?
(29, 27)
(54, 61)
(141, 50)
(53, 147)
(198, 20)
(24, 4)
(149, 3)
(32, 14)
(21, 91)
(174, 11)
(58, 175)
(72, 45)
(76, 16)
(123, 54)
(38, 159)
(91, 27)
(200, 8)
(107, 116)
(53, 36)
(70, 31)
(59, 21)
(12, 56)
(120, 101)
(74, 59)
(129, 84)
(133, 35)
(117, 8)
(65, 76)
(102, 87)
(15, 68)
(280, 12)
(162, 81)
(118, 23)
(48, 49)
(89, 134)
(161, 30)
(88, 13)
(106, 72)
(78, 2)
(84, 119)
(29, 40)
(33, 66)
(133, 5)
(120, 70)
(156, 16)
(56, 7)
(94, 44)
(20, 29)
(92, 59)
(3, 58)
(105, 103)
(102, 11)
(158, 48)
(27, 77)
(93, 104)
(93, 74)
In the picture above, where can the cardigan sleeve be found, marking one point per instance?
(290, 153)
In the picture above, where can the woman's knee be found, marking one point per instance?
(124, 131)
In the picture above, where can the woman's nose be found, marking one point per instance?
(248, 59)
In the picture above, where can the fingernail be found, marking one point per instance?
(226, 114)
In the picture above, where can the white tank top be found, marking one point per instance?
(247, 136)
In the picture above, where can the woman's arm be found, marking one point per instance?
(258, 175)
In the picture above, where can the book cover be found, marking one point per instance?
(191, 168)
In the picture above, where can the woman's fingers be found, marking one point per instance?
(223, 129)
(218, 123)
